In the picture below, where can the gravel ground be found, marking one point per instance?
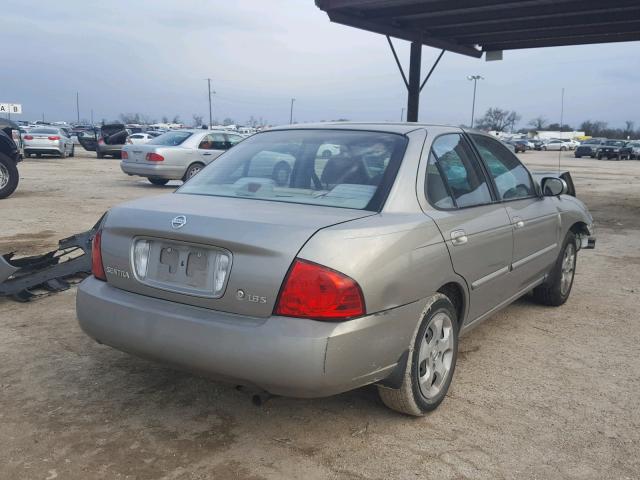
(538, 393)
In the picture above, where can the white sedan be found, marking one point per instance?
(557, 144)
(48, 140)
(140, 138)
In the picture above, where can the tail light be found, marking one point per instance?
(97, 269)
(54, 137)
(28, 137)
(154, 157)
(320, 293)
(101, 141)
(124, 155)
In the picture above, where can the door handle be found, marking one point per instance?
(207, 154)
(518, 222)
(459, 237)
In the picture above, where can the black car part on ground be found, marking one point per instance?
(114, 134)
(55, 271)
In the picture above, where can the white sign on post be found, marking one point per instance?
(13, 108)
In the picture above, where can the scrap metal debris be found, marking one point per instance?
(26, 278)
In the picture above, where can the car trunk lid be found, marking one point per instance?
(191, 231)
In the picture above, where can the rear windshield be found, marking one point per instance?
(170, 138)
(48, 131)
(337, 168)
(615, 143)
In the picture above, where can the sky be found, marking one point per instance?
(153, 58)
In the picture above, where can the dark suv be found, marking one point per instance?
(9, 157)
(588, 147)
(610, 149)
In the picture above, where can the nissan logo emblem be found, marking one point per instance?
(179, 222)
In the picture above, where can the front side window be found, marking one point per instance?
(292, 166)
(511, 178)
(454, 178)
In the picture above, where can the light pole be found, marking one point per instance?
(475, 79)
(291, 112)
(402, 114)
(210, 111)
(78, 106)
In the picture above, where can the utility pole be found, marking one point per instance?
(475, 79)
(78, 105)
(291, 112)
(561, 121)
(92, 116)
(210, 110)
(402, 114)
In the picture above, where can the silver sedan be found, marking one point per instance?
(176, 155)
(48, 141)
(363, 265)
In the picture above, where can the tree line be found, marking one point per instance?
(502, 120)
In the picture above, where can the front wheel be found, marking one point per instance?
(563, 149)
(556, 289)
(9, 176)
(431, 361)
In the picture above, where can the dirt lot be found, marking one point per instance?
(538, 393)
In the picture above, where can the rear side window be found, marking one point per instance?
(454, 177)
(170, 138)
(511, 178)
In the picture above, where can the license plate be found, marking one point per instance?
(186, 268)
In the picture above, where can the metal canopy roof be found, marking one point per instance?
(470, 27)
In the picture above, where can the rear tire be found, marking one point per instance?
(555, 291)
(192, 171)
(99, 154)
(63, 153)
(73, 151)
(544, 148)
(431, 361)
(158, 181)
(563, 149)
(9, 176)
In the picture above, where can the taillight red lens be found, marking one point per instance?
(124, 155)
(96, 257)
(101, 141)
(28, 137)
(54, 137)
(316, 292)
(154, 157)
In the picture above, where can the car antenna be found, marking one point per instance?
(561, 120)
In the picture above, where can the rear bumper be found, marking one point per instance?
(42, 150)
(168, 172)
(284, 356)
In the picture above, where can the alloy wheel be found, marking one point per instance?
(4, 176)
(568, 268)
(435, 355)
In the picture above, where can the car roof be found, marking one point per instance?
(388, 127)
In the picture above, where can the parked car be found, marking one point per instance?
(556, 144)
(610, 149)
(520, 145)
(631, 150)
(344, 275)
(573, 144)
(140, 138)
(176, 155)
(510, 146)
(588, 147)
(537, 144)
(105, 140)
(9, 158)
(48, 141)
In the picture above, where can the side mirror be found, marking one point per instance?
(552, 186)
